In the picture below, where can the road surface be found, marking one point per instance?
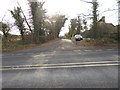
(60, 65)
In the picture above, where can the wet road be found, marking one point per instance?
(61, 65)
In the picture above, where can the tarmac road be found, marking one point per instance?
(61, 65)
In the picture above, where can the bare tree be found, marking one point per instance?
(73, 27)
(5, 29)
(25, 17)
(19, 21)
(57, 21)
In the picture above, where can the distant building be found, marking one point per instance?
(102, 20)
(109, 26)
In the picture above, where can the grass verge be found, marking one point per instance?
(17, 46)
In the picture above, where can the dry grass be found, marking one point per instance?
(99, 43)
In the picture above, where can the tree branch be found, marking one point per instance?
(25, 17)
(86, 1)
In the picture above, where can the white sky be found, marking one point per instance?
(71, 8)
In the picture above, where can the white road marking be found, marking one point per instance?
(97, 62)
(74, 66)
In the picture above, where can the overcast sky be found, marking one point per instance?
(71, 8)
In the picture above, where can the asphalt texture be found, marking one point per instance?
(60, 65)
